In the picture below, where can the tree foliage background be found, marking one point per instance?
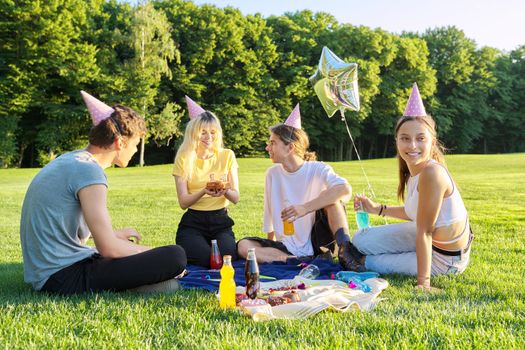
(249, 70)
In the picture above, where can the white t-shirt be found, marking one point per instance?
(298, 188)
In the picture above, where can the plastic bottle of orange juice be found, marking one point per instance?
(227, 285)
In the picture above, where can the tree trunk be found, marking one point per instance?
(372, 148)
(360, 147)
(142, 60)
(385, 150)
(141, 161)
(51, 154)
(349, 150)
(22, 149)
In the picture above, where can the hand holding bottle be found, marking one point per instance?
(292, 212)
(289, 214)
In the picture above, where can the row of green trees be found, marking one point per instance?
(249, 70)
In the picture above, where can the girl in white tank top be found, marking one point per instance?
(436, 239)
(452, 209)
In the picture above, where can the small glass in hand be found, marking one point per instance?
(361, 217)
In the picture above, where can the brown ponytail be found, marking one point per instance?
(297, 137)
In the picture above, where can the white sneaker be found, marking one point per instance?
(168, 286)
(182, 274)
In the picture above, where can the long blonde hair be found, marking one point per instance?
(297, 137)
(188, 148)
(436, 153)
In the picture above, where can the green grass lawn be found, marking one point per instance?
(482, 308)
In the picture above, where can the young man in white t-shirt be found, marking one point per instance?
(307, 193)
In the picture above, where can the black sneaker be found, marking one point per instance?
(347, 260)
(325, 256)
(355, 252)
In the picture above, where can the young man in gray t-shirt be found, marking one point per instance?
(66, 203)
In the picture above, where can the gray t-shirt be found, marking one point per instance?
(52, 222)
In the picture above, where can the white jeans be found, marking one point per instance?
(392, 249)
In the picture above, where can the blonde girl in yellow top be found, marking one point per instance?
(202, 158)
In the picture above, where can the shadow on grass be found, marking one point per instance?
(14, 291)
(12, 285)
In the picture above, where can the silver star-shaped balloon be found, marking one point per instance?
(335, 83)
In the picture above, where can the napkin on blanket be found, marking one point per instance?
(318, 296)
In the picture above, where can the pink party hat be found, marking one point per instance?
(193, 108)
(294, 119)
(98, 110)
(414, 106)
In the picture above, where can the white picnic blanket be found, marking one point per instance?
(318, 296)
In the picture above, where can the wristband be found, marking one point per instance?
(380, 210)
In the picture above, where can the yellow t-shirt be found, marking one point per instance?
(219, 165)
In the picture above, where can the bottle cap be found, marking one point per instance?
(213, 241)
(251, 254)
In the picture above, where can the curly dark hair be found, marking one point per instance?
(124, 122)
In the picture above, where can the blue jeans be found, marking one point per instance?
(392, 249)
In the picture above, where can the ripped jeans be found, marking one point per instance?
(392, 249)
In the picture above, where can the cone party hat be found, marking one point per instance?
(98, 110)
(294, 119)
(414, 106)
(193, 108)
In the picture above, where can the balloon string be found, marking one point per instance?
(356, 152)
(359, 158)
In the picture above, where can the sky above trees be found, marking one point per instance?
(490, 23)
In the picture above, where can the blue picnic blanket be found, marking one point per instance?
(209, 279)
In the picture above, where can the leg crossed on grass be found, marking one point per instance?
(97, 274)
(327, 221)
(266, 250)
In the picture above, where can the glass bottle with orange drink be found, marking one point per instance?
(288, 228)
